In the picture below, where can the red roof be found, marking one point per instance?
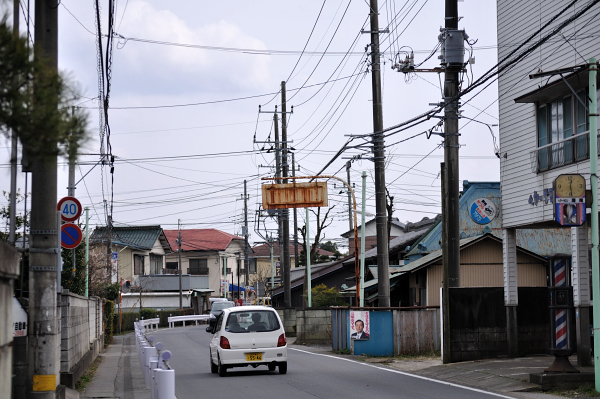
(264, 250)
(201, 239)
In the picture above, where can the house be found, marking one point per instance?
(136, 250)
(332, 274)
(211, 253)
(261, 255)
(398, 229)
(543, 134)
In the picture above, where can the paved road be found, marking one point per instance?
(310, 375)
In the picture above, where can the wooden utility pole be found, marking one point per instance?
(379, 158)
(285, 217)
(43, 374)
(451, 147)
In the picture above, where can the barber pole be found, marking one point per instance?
(560, 315)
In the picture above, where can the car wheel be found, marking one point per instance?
(213, 367)
(272, 366)
(222, 369)
(283, 368)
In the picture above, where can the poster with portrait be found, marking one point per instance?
(360, 326)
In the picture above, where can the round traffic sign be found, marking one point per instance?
(70, 235)
(70, 209)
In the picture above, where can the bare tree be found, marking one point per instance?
(322, 223)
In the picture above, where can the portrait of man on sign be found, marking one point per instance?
(359, 325)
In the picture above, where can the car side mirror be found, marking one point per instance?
(209, 329)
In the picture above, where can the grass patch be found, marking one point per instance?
(584, 391)
(421, 356)
(345, 351)
(88, 375)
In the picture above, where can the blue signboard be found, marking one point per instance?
(482, 210)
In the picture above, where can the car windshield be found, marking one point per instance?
(252, 321)
(222, 305)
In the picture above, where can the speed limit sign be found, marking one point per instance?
(69, 208)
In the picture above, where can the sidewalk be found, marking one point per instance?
(119, 375)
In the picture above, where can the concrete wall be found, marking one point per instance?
(82, 335)
(9, 271)
(313, 326)
(288, 317)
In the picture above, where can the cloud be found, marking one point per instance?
(164, 68)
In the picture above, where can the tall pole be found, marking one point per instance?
(12, 232)
(285, 219)
(87, 249)
(446, 347)
(296, 260)
(278, 174)
(71, 193)
(348, 164)
(180, 266)
(246, 239)
(594, 186)
(309, 283)
(272, 269)
(44, 313)
(451, 147)
(379, 157)
(362, 239)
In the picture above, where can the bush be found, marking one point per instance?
(128, 318)
(109, 316)
(147, 313)
(323, 296)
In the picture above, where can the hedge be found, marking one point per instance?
(109, 316)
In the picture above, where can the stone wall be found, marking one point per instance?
(288, 317)
(313, 326)
(81, 335)
(9, 271)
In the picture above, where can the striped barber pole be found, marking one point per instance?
(560, 315)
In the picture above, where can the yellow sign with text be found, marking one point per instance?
(44, 383)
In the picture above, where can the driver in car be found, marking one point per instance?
(257, 324)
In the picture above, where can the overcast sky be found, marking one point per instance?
(187, 81)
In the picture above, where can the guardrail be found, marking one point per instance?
(158, 375)
(152, 323)
(195, 317)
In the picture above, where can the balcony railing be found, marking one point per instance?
(571, 150)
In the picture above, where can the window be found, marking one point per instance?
(558, 122)
(156, 264)
(198, 266)
(172, 265)
(138, 264)
(252, 266)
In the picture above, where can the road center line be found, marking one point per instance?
(408, 374)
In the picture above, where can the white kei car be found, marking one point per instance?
(248, 336)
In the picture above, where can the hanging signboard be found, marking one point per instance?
(569, 204)
(294, 195)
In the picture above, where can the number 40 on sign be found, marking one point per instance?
(69, 208)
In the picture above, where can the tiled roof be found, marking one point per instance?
(264, 250)
(201, 239)
(141, 237)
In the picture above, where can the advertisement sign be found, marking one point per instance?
(19, 319)
(483, 211)
(278, 269)
(360, 326)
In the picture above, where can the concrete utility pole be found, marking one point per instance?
(379, 158)
(451, 147)
(180, 265)
(285, 217)
(247, 266)
(296, 260)
(12, 232)
(445, 303)
(278, 174)
(44, 313)
(71, 193)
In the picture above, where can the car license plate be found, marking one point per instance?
(253, 357)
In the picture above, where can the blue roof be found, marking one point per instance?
(544, 242)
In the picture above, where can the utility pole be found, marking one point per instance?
(12, 232)
(350, 227)
(44, 313)
(180, 266)
(451, 147)
(71, 193)
(247, 266)
(446, 358)
(285, 218)
(278, 174)
(379, 158)
(296, 260)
